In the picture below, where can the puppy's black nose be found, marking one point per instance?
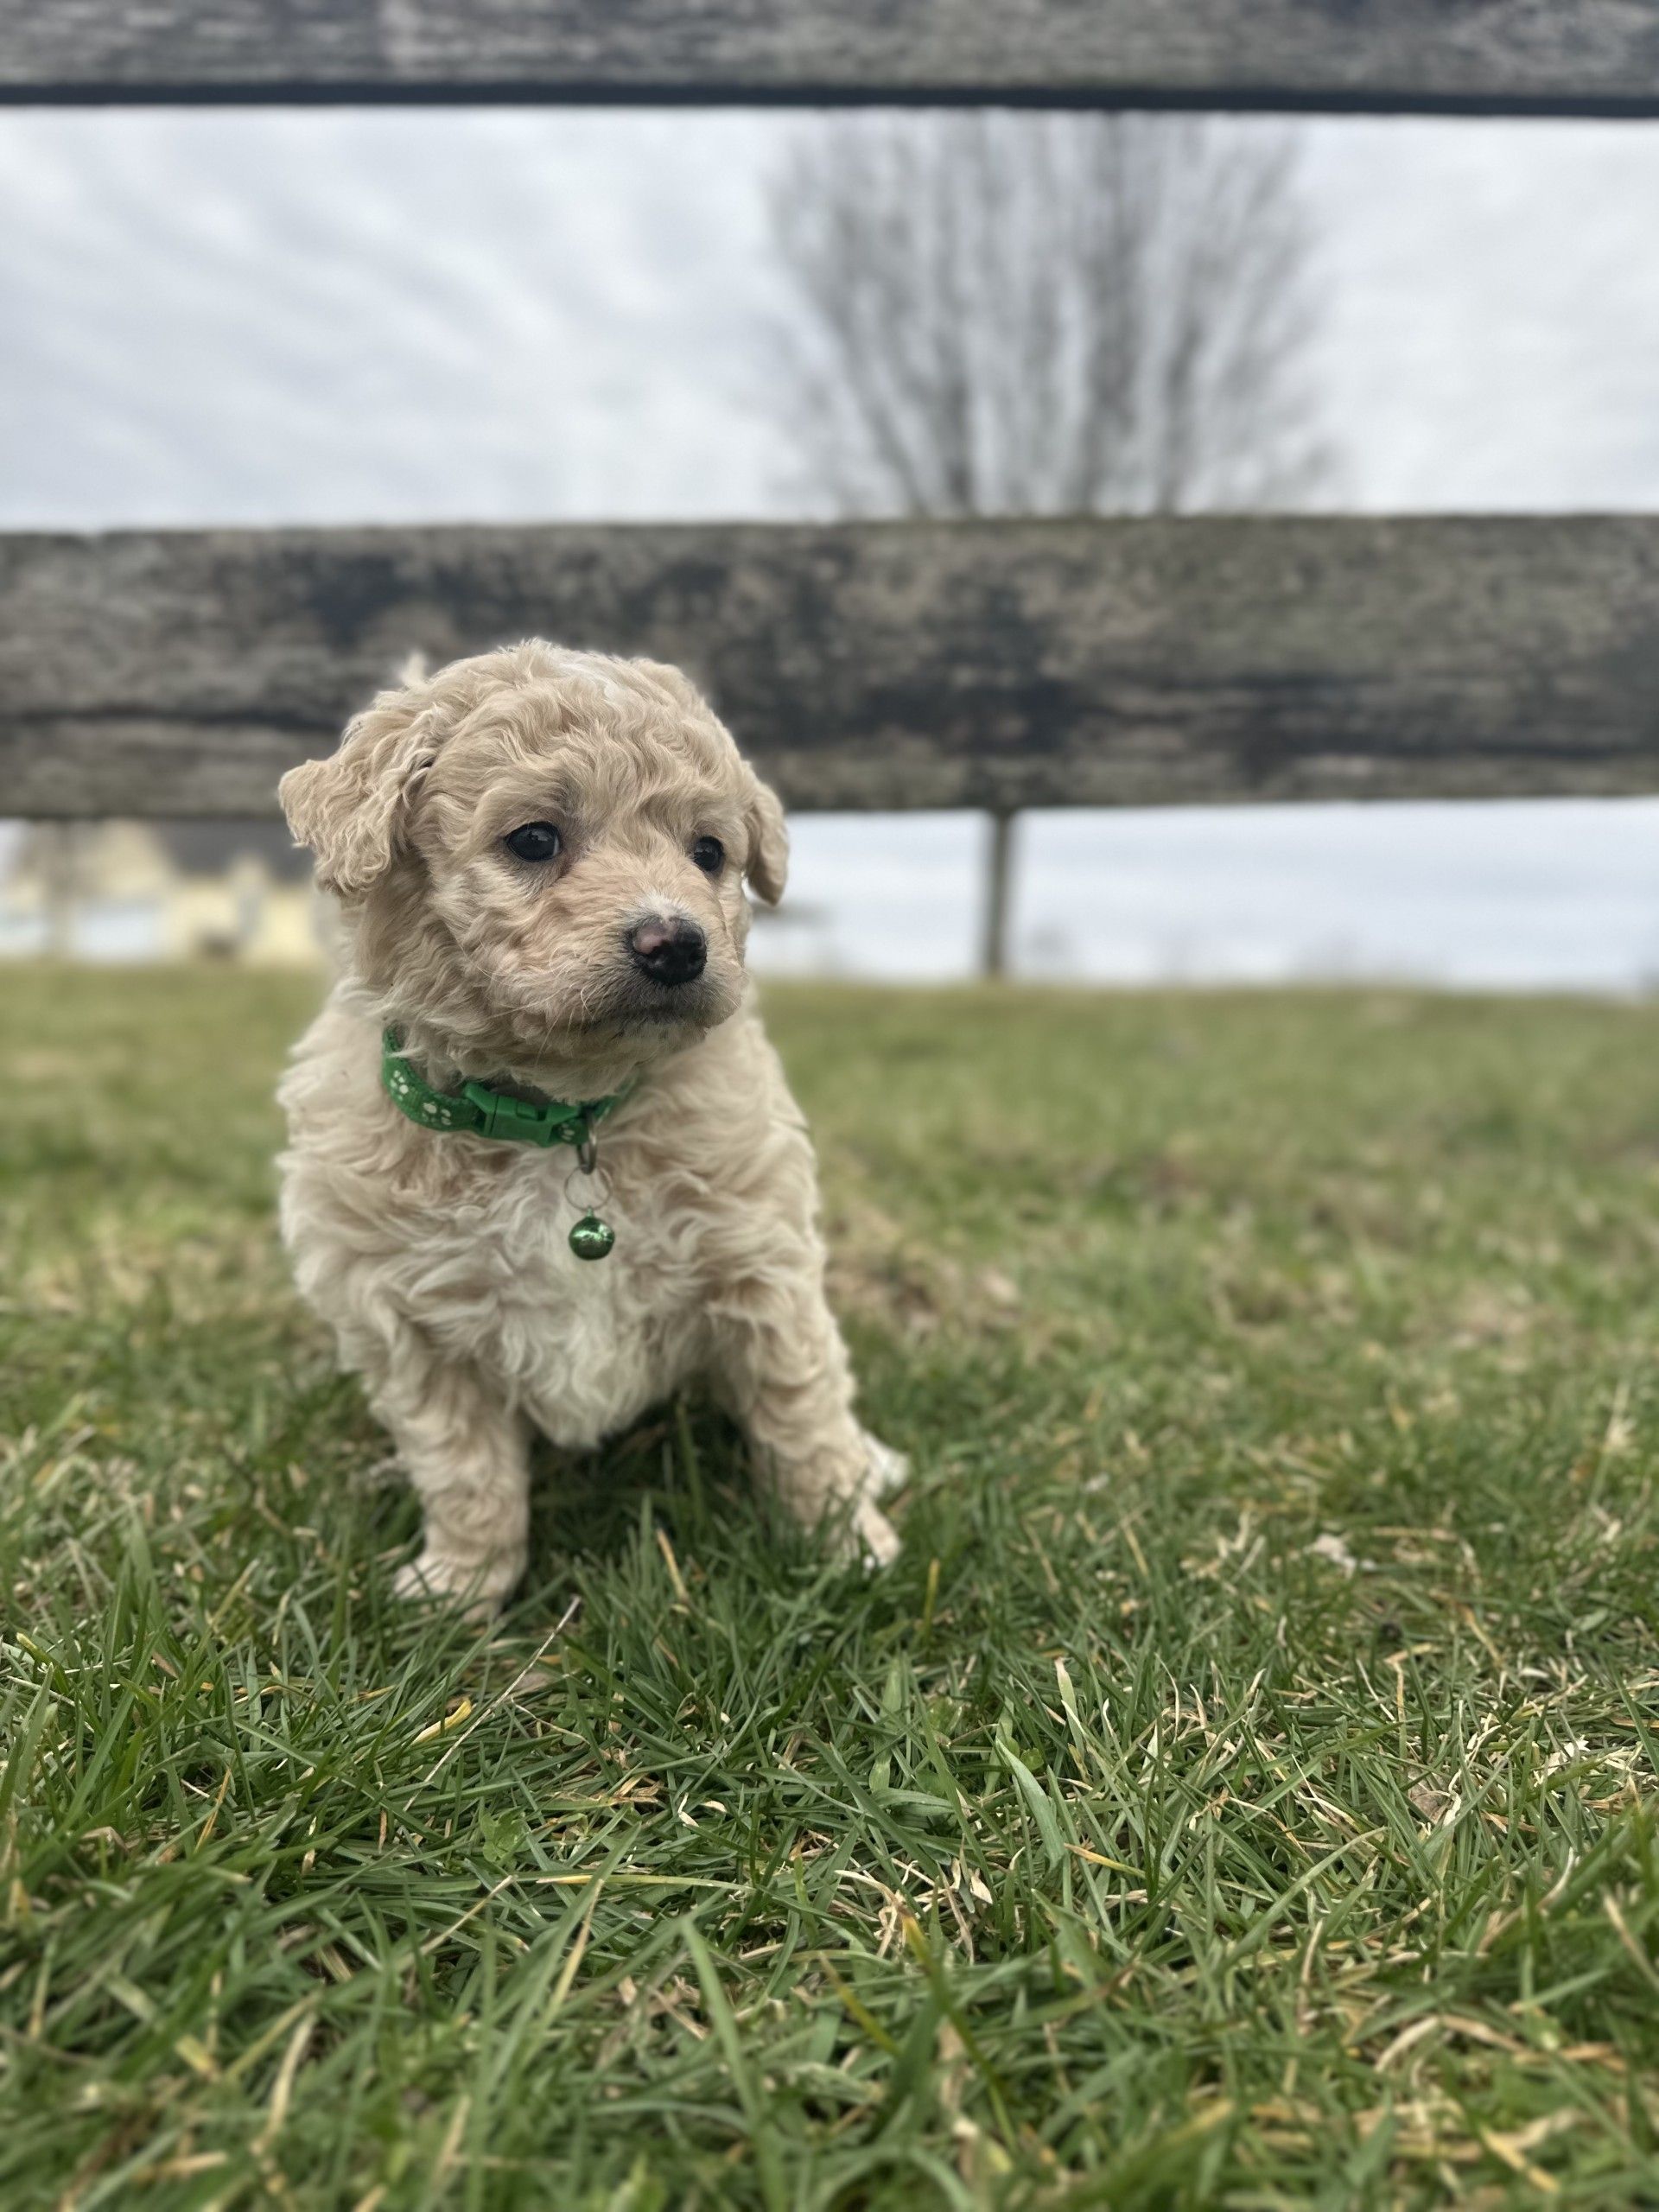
(669, 950)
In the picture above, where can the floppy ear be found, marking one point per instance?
(346, 808)
(768, 844)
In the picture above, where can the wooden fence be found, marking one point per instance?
(1534, 57)
(995, 664)
(998, 665)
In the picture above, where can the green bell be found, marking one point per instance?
(592, 1238)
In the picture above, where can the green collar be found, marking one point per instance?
(482, 1112)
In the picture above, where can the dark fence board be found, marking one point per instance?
(866, 666)
(1481, 56)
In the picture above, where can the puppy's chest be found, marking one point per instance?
(583, 1346)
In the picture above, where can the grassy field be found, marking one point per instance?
(1240, 1793)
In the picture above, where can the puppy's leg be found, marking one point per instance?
(469, 1459)
(785, 1376)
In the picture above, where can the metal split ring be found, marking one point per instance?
(587, 1163)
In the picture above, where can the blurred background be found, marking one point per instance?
(337, 316)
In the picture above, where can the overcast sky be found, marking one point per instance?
(332, 316)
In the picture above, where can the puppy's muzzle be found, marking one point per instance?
(669, 949)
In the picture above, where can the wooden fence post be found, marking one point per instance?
(999, 868)
(60, 856)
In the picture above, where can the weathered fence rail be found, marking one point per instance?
(1585, 57)
(998, 665)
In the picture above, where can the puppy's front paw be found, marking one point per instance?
(440, 1578)
(858, 1534)
(874, 1535)
(888, 1470)
(834, 1496)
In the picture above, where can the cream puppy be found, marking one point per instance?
(539, 859)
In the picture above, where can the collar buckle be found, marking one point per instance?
(517, 1120)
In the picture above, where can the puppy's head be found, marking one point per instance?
(541, 855)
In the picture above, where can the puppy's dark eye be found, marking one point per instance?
(533, 841)
(710, 855)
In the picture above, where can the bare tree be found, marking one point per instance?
(999, 314)
(994, 314)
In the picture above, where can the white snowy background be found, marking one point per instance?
(335, 316)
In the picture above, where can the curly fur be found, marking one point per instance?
(441, 1262)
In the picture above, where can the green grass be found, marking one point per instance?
(1240, 1793)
